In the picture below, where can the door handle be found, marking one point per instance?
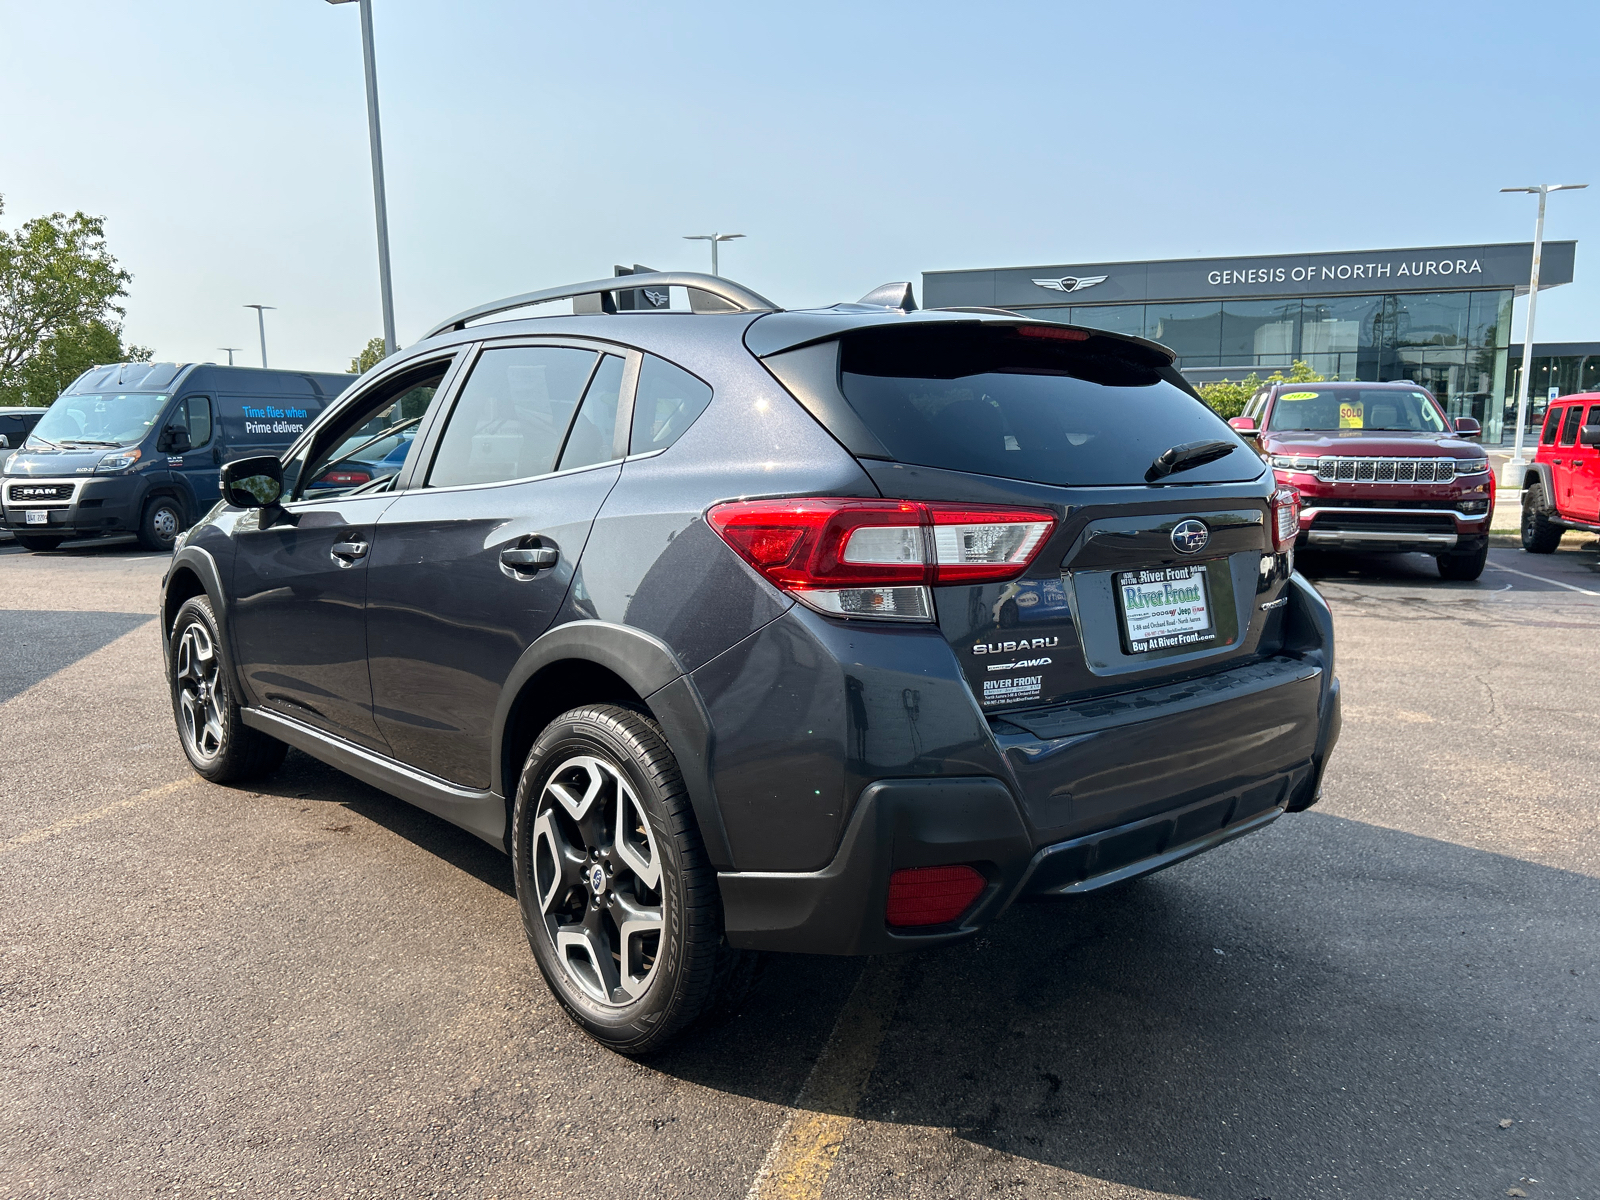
(529, 559)
(346, 553)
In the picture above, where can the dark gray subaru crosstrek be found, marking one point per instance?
(833, 631)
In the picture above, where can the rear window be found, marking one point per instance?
(993, 401)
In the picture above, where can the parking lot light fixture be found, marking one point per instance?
(231, 350)
(1511, 473)
(713, 238)
(261, 323)
(379, 202)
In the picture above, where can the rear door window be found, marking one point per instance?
(996, 400)
(1569, 427)
(512, 415)
(594, 434)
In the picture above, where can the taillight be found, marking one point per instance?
(1285, 518)
(878, 558)
(932, 895)
(345, 477)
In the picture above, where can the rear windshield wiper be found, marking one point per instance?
(1185, 455)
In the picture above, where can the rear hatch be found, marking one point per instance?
(1138, 583)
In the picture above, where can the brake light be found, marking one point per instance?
(878, 558)
(345, 477)
(1048, 331)
(1285, 518)
(932, 895)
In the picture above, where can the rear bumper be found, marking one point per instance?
(991, 823)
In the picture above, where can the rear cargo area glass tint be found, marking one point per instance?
(992, 401)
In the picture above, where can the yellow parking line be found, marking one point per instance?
(88, 818)
(801, 1158)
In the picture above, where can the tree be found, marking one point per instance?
(1227, 398)
(369, 357)
(59, 288)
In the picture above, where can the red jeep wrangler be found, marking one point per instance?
(1379, 466)
(1561, 487)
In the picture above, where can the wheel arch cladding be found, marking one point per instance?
(595, 662)
(195, 573)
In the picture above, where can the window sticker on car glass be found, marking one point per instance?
(1352, 416)
(1298, 396)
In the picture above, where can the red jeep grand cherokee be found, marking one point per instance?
(1561, 487)
(1379, 467)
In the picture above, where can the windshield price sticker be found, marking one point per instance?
(1162, 609)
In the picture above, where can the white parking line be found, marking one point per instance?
(1569, 586)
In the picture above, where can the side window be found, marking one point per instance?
(512, 416)
(1552, 422)
(367, 442)
(198, 412)
(1257, 403)
(594, 434)
(1593, 417)
(666, 403)
(1569, 427)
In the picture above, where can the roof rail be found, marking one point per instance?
(707, 293)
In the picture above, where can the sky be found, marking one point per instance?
(532, 144)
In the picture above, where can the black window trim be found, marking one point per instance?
(1571, 424)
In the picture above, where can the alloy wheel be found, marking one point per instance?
(199, 674)
(597, 873)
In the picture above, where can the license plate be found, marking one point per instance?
(38, 516)
(1165, 608)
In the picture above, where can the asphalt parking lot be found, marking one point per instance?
(315, 990)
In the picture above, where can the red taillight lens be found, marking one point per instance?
(932, 895)
(345, 477)
(875, 557)
(1048, 331)
(1285, 518)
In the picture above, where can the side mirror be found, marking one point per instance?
(1466, 427)
(1589, 435)
(1244, 425)
(253, 482)
(174, 439)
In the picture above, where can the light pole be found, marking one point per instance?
(378, 200)
(261, 322)
(713, 238)
(230, 350)
(1511, 473)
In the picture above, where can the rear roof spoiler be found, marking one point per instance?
(707, 293)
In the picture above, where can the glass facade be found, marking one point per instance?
(1453, 343)
(1567, 373)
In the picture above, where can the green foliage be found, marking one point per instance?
(59, 288)
(1227, 397)
(370, 356)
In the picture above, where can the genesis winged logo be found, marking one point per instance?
(1071, 283)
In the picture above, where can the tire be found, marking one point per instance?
(38, 544)
(161, 523)
(603, 838)
(218, 744)
(1464, 566)
(1540, 535)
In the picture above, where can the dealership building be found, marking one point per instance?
(1438, 315)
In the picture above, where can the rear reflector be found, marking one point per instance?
(878, 558)
(932, 895)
